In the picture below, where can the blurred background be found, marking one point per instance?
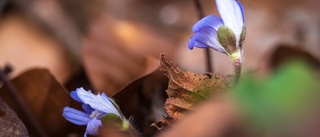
(110, 40)
(111, 45)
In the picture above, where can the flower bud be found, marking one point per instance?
(227, 39)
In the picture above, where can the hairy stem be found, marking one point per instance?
(237, 71)
(207, 50)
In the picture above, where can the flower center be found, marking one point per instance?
(95, 114)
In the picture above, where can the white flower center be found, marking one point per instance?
(95, 114)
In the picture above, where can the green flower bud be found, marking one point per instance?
(114, 120)
(227, 39)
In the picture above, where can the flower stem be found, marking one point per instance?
(208, 60)
(207, 50)
(237, 71)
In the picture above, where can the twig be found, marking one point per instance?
(7, 69)
(2, 6)
(207, 50)
(21, 104)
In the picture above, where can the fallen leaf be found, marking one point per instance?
(115, 52)
(284, 53)
(10, 124)
(29, 51)
(187, 90)
(109, 65)
(211, 119)
(140, 97)
(78, 79)
(45, 97)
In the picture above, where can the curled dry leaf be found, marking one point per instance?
(109, 65)
(284, 53)
(138, 99)
(10, 124)
(186, 90)
(45, 97)
(115, 52)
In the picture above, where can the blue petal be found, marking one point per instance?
(191, 42)
(87, 108)
(93, 127)
(206, 37)
(231, 15)
(98, 102)
(242, 10)
(209, 21)
(75, 116)
(201, 45)
(74, 95)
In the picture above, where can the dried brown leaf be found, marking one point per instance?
(139, 97)
(10, 124)
(109, 65)
(210, 120)
(284, 53)
(45, 97)
(115, 52)
(186, 90)
(29, 51)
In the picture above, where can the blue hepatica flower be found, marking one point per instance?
(225, 34)
(94, 106)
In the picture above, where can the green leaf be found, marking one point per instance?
(287, 95)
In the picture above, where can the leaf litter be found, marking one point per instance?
(186, 90)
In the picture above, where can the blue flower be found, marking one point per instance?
(94, 106)
(225, 34)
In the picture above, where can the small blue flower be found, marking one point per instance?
(94, 106)
(225, 34)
